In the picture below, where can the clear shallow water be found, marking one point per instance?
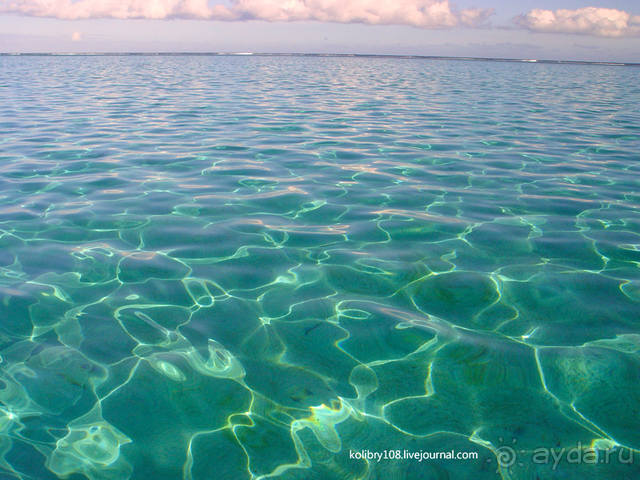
(249, 267)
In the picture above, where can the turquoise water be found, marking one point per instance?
(224, 267)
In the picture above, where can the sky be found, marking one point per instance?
(592, 30)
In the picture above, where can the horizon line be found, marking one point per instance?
(299, 54)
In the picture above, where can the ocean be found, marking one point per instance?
(253, 267)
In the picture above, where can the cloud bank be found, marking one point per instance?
(417, 13)
(602, 22)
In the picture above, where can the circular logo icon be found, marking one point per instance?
(506, 456)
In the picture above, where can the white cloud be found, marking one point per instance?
(418, 13)
(602, 22)
(82, 9)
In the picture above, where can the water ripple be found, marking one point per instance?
(249, 267)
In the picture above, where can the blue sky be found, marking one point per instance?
(608, 32)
